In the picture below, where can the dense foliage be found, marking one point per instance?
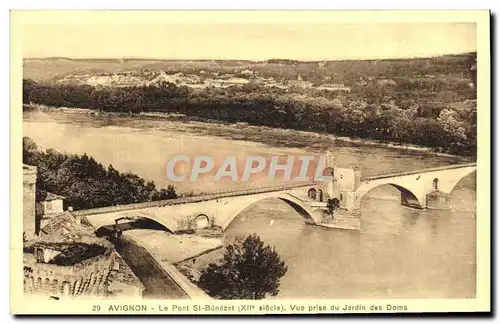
(86, 183)
(248, 270)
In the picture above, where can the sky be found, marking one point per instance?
(252, 41)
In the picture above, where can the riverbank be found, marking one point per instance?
(160, 278)
(174, 247)
(182, 255)
(275, 137)
(191, 268)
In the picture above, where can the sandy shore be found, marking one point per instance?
(172, 247)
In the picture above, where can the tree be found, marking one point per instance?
(332, 205)
(30, 151)
(248, 270)
(168, 193)
(454, 128)
(86, 183)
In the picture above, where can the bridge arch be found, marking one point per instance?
(140, 222)
(302, 210)
(408, 197)
(448, 188)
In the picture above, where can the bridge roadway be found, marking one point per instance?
(160, 279)
(186, 200)
(389, 174)
(378, 177)
(157, 282)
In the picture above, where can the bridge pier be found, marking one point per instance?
(433, 200)
(342, 219)
(438, 200)
(409, 200)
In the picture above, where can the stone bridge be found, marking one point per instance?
(428, 188)
(218, 209)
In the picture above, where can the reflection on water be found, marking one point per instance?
(400, 252)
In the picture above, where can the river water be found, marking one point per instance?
(399, 253)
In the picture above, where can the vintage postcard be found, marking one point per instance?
(260, 162)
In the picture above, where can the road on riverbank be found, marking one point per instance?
(158, 283)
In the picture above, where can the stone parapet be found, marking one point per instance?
(88, 277)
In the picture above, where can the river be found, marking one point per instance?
(399, 253)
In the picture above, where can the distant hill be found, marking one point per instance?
(46, 69)
(424, 101)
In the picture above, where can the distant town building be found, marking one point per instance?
(334, 87)
(226, 83)
(247, 72)
(234, 80)
(386, 82)
(271, 83)
(51, 204)
(300, 84)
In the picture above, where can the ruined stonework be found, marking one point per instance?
(122, 280)
(30, 224)
(88, 277)
(67, 260)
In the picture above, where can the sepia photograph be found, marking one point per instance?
(249, 162)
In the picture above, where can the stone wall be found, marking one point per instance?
(88, 277)
(123, 282)
(30, 224)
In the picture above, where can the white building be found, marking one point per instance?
(247, 72)
(51, 205)
(334, 87)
